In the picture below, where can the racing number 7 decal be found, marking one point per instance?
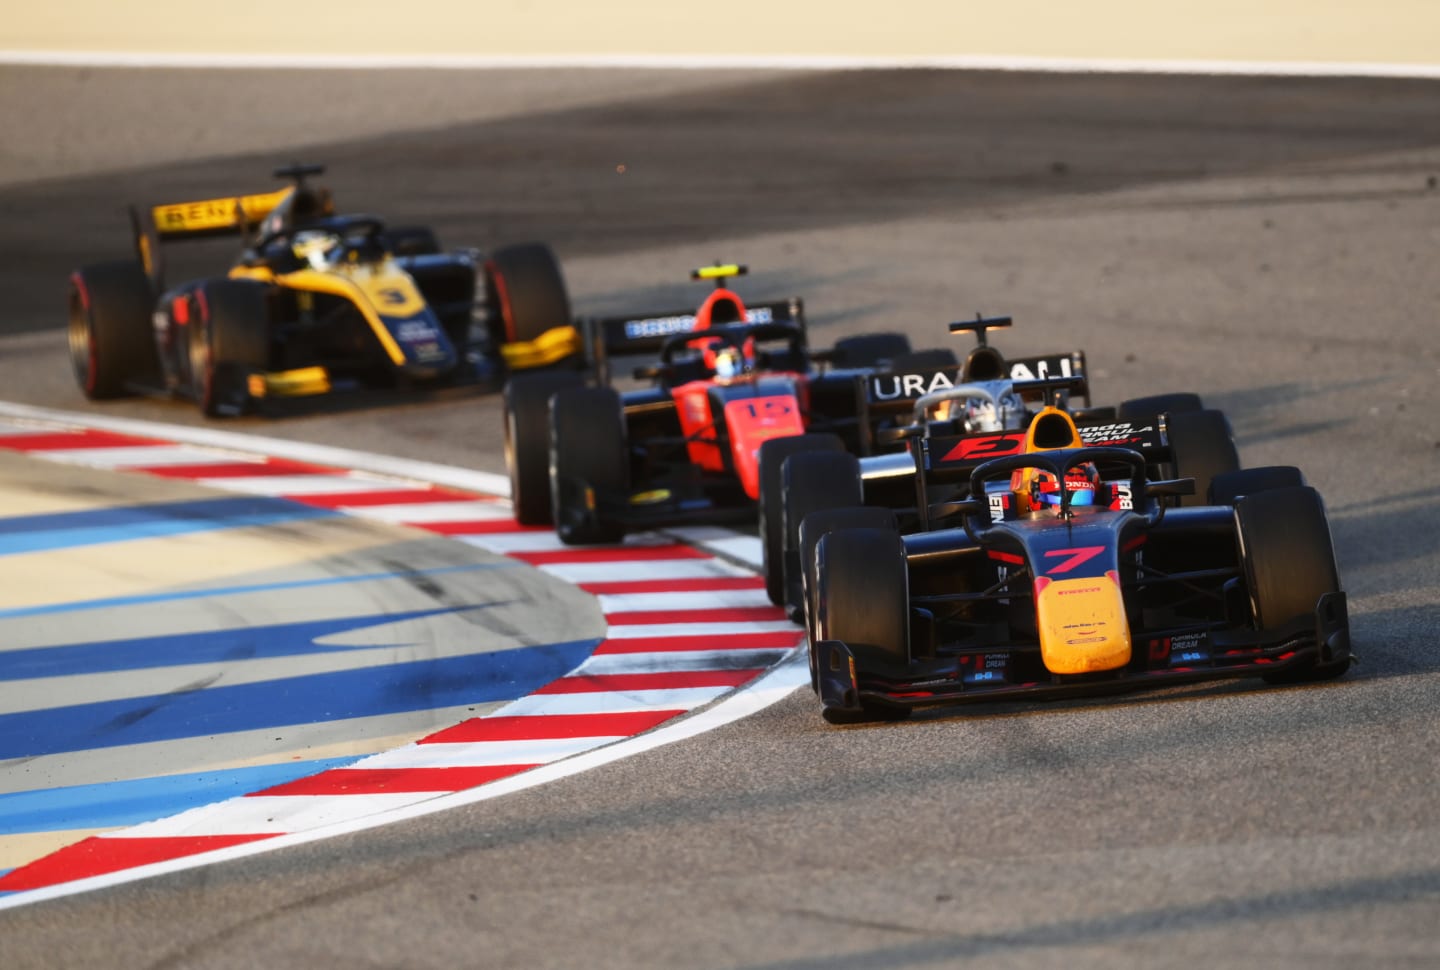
(1077, 556)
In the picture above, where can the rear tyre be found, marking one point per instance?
(869, 349)
(1227, 487)
(772, 510)
(589, 464)
(228, 342)
(815, 527)
(525, 294)
(527, 441)
(1203, 448)
(1289, 563)
(1149, 408)
(811, 482)
(863, 599)
(112, 342)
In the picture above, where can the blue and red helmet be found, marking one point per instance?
(1081, 481)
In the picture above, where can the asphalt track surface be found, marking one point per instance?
(1269, 243)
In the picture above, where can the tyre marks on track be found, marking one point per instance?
(683, 629)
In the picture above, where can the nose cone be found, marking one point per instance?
(1082, 624)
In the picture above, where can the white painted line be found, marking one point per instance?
(676, 660)
(791, 62)
(270, 815)
(744, 549)
(417, 513)
(135, 456)
(507, 543)
(700, 600)
(462, 478)
(714, 630)
(615, 572)
(280, 486)
(480, 754)
(614, 702)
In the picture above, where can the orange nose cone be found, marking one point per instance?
(1082, 624)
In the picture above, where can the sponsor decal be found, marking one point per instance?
(659, 326)
(1122, 496)
(1044, 367)
(415, 332)
(897, 387)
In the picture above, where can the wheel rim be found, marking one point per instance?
(82, 341)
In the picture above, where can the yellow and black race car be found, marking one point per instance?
(316, 302)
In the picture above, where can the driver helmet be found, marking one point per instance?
(976, 414)
(314, 247)
(730, 362)
(1036, 489)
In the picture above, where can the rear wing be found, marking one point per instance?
(899, 390)
(646, 333)
(176, 221)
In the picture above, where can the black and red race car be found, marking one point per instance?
(1070, 572)
(315, 302)
(726, 378)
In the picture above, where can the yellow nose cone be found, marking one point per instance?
(1082, 624)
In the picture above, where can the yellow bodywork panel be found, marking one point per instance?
(1082, 624)
(210, 214)
(550, 347)
(373, 288)
(291, 383)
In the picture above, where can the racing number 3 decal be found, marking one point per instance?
(1074, 558)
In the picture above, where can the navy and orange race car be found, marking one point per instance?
(729, 378)
(316, 302)
(1071, 573)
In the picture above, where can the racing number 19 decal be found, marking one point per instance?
(768, 408)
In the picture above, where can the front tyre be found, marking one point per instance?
(527, 441)
(229, 341)
(1289, 563)
(589, 464)
(525, 294)
(772, 510)
(863, 600)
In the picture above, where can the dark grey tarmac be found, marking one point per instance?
(1268, 242)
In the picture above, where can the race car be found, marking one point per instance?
(1071, 573)
(597, 463)
(988, 393)
(315, 302)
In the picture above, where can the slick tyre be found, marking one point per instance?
(1289, 562)
(589, 458)
(527, 441)
(811, 481)
(112, 342)
(869, 349)
(1227, 487)
(1203, 447)
(229, 341)
(525, 294)
(1148, 408)
(863, 600)
(815, 527)
(772, 510)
